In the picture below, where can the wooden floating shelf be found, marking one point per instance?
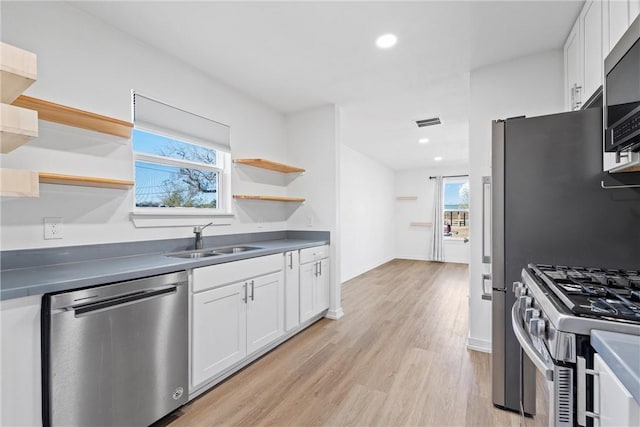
(269, 198)
(84, 181)
(69, 116)
(19, 183)
(421, 224)
(17, 127)
(407, 198)
(18, 71)
(268, 164)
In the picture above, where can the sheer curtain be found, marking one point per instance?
(437, 252)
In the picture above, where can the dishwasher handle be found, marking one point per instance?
(134, 297)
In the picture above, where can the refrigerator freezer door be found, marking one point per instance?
(497, 205)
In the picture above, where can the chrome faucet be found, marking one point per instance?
(198, 232)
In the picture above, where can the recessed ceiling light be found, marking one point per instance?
(423, 140)
(437, 159)
(386, 41)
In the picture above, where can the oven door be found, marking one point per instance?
(559, 379)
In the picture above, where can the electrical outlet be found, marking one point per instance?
(52, 228)
(309, 221)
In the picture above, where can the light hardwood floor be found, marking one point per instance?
(397, 358)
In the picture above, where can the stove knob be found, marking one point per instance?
(525, 302)
(530, 314)
(519, 289)
(537, 328)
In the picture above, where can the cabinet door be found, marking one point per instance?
(265, 310)
(292, 289)
(618, 20)
(572, 68)
(307, 283)
(322, 286)
(617, 407)
(591, 21)
(219, 331)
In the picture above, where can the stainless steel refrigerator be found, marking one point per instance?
(547, 206)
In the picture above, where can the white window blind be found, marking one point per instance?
(156, 116)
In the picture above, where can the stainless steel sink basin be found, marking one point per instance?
(234, 250)
(212, 252)
(193, 255)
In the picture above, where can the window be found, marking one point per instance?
(182, 161)
(456, 207)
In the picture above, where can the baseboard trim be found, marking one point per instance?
(365, 270)
(478, 345)
(335, 314)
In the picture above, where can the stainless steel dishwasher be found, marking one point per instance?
(115, 354)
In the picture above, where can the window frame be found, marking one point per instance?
(222, 168)
(453, 180)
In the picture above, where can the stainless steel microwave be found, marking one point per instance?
(622, 93)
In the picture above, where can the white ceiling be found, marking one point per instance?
(296, 55)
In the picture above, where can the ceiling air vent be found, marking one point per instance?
(428, 122)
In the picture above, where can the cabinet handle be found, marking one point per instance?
(253, 290)
(315, 272)
(244, 291)
(573, 97)
(290, 260)
(582, 413)
(320, 266)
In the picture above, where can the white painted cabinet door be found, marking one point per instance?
(573, 68)
(591, 22)
(615, 404)
(322, 287)
(618, 21)
(307, 284)
(219, 331)
(20, 373)
(292, 289)
(265, 310)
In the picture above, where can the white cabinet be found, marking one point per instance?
(219, 330)
(265, 313)
(591, 24)
(292, 289)
(617, 22)
(230, 321)
(573, 68)
(314, 281)
(20, 373)
(614, 403)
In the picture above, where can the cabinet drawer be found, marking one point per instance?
(235, 271)
(314, 254)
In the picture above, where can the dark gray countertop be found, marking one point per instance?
(41, 279)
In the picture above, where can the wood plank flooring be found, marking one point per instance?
(397, 358)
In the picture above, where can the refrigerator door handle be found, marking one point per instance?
(486, 184)
(486, 295)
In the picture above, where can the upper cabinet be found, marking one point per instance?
(596, 31)
(573, 69)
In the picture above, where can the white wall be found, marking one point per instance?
(367, 213)
(313, 142)
(530, 86)
(413, 242)
(86, 64)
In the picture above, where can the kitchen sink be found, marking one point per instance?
(211, 252)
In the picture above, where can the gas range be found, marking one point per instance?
(579, 299)
(556, 309)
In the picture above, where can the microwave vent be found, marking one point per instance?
(428, 122)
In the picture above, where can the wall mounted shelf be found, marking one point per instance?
(421, 224)
(269, 198)
(18, 71)
(268, 164)
(84, 181)
(19, 183)
(70, 116)
(17, 127)
(407, 198)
